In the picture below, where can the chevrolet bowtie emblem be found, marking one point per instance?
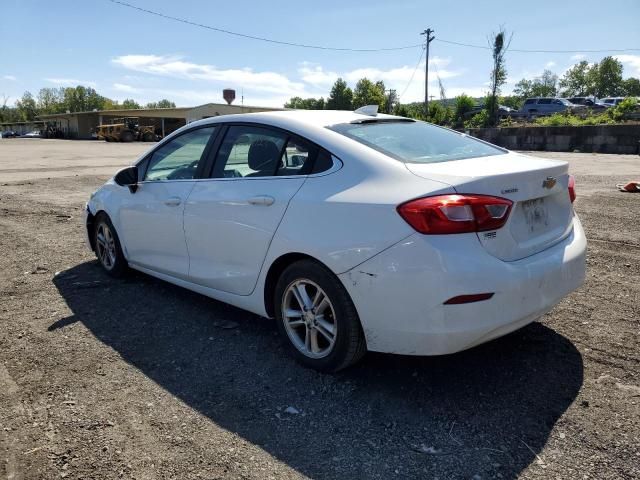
(549, 182)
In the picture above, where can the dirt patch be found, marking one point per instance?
(141, 379)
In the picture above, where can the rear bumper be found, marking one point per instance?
(399, 294)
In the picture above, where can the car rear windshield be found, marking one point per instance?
(416, 142)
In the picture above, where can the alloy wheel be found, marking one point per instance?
(309, 318)
(106, 246)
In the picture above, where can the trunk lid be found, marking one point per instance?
(541, 214)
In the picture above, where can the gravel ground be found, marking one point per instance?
(139, 379)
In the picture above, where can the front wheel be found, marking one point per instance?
(317, 319)
(107, 247)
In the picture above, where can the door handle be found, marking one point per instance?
(264, 200)
(173, 201)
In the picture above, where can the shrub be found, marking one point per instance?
(464, 104)
(439, 114)
(628, 105)
(479, 120)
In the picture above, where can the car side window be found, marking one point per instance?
(530, 101)
(296, 158)
(248, 151)
(544, 101)
(324, 161)
(179, 158)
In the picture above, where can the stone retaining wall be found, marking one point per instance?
(601, 138)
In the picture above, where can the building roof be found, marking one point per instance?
(161, 112)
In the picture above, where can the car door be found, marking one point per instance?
(230, 219)
(151, 219)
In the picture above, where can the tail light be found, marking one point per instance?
(444, 214)
(572, 188)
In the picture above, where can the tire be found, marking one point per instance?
(148, 137)
(127, 136)
(107, 247)
(335, 318)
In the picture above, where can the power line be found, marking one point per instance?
(262, 39)
(486, 47)
(346, 49)
(413, 74)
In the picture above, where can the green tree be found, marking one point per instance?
(26, 107)
(499, 47)
(512, 101)
(341, 96)
(575, 81)
(129, 104)
(439, 113)
(81, 99)
(463, 105)
(305, 103)
(369, 93)
(546, 85)
(631, 87)
(50, 100)
(606, 78)
(164, 103)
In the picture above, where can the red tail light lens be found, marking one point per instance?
(445, 214)
(572, 188)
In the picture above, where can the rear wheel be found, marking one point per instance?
(148, 137)
(127, 136)
(107, 247)
(317, 319)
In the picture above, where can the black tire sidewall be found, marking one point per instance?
(346, 315)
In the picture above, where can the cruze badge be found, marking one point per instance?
(549, 182)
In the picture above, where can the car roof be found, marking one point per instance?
(316, 118)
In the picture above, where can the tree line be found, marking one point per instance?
(601, 79)
(69, 99)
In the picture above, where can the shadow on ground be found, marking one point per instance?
(487, 411)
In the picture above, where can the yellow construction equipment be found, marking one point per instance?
(126, 129)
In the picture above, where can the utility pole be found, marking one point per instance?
(427, 40)
(390, 98)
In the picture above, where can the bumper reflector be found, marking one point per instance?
(476, 297)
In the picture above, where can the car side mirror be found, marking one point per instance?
(128, 177)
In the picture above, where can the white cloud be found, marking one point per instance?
(316, 76)
(71, 82)
(169, 66)
(274, 89)
(578, 56)
(9, 77)
(631, 62)
(122, 87)
(550, 64)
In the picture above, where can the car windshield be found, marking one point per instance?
(416, 142)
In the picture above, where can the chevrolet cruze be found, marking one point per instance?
(356, 231)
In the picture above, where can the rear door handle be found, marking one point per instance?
(173, 201)
(264, 200)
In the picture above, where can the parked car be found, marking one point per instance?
(33, 134)
(589, 102)
(9, 134)
(356, 231)
(548, 105)
(611, 101)
(503, 111)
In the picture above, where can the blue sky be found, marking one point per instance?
(128, 54)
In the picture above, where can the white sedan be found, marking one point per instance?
(356, 231)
